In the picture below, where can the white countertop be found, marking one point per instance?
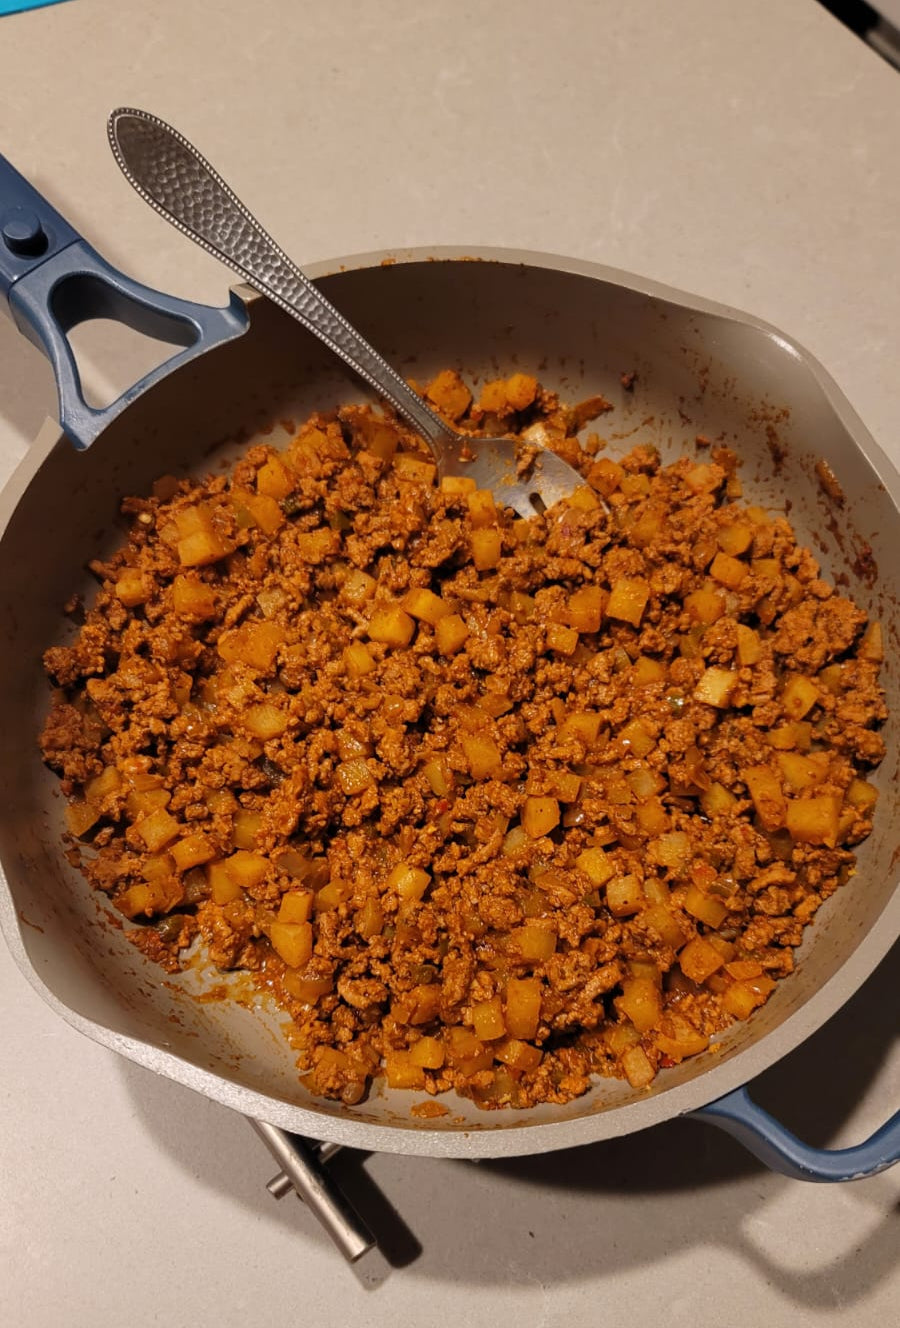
(746, 152)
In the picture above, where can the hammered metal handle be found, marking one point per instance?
(170, 174)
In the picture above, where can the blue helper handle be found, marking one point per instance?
(781, 1151)
(53, 280)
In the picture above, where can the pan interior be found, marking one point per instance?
(697, 373)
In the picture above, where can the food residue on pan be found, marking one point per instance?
(485, 804)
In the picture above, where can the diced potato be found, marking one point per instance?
(628, 599)
(533, 942)
(636, 738)
(358, 587)
(619, 1037)
(728, 571)
(672, 850)
(624, 896)
(705, 908)
(296, 906)
(157, 830)
(814, 820)
(245, 827)
(676, 1038)
(193, 598)
(645, 783)
(80, 817)
(795, 733)
(392, 626)
(540, 816)
(192, 851)
(104, 785)
(798, 696)
(861, 794)
(354, 776)
(518, 1055)
(585, 608)
(427, 1053)
(641, 1002)
(716, 800)
(521, 390)
(743, 968)
(266, 513)
(635, 486)
(265, 721)
(223, 889)
(802, 772)
(740, 999)
(565, 785)
(202, 548)
(584, 500)
(702, 478)
(749, 646)
(425, 605)
(457, 486)
(652, 817)
(370, 920)
(400, 1071)
(764, 786)
(467, 1052)
(523, 1007)
(246, 868)
(638, 1070)
(449, 394)
(358, 659)
(415, 469)
(439, 777)
(253, 643)
(715, 687)
(421, 1005)
(563, 640)
(274, 479)
(871, 647)
(409, 882)
(306, 989)
(487, 548)
(450, 634)
(136, 899)
(605, 476)
(665, 924)
(646, 671)
(581, 724)
(596, 865)
(698, 960)
(292, 942)
(736, 538)
(132, 587)
(487, 1019)
(482, 508)
(482, 755)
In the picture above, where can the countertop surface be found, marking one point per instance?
(746, 152)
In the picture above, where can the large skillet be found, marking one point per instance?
(700, 368)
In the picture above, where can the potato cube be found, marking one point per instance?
(715, 687)
(585, 608)
(370, 920)
(641, 1002)
(636, 738)
(245, 827)
(705, 606)
(802, 772)
(296, 906)
(415, 469)
(449, 394)
(764, 786)
(487, 1019)
(533, 942)
(716, 800)
(540, 816)
(487, 548)
(354, 776)
(305, 989)
(482, 755)
(628, 599)
(749, 646)
(192, 851)
(705, 908)
(624, 896)
(425, 605)
(400, 1071)
(562, 640)
(482, 508)
(871, 647)
(814, 820)
(736, 538)
(518, 1055)
(450, 634)
(193, 598)
(672, 850)
(698, 960)
(798, 696)
(358, 586)
(331, 896)
(523, 1007)
(202, 548)
(132, 587)
(136, 899)
(292, 942)
(358, 659)
(728, 571)
(392, 626)
(663, 921)
(223, 889)
(409, 882)
(596, 865)
(638, 1070)
(606, 476)
(521, 390)
(80, 816)
(583, 499)
(265, 721)
(862, 794)
(427, 1053)
(157, 830)
(581, 724)
(457, 486)
(253, 643)
(740, 1000)
(246, 868)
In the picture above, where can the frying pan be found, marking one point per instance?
(236, 371)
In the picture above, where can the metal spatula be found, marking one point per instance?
(172, 176)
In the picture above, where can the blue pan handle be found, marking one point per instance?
(53, 280)
(767, 1138)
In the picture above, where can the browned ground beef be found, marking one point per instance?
(485, 804)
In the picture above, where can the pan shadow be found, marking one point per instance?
(615, 1206)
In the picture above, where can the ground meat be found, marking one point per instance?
(485, 804)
